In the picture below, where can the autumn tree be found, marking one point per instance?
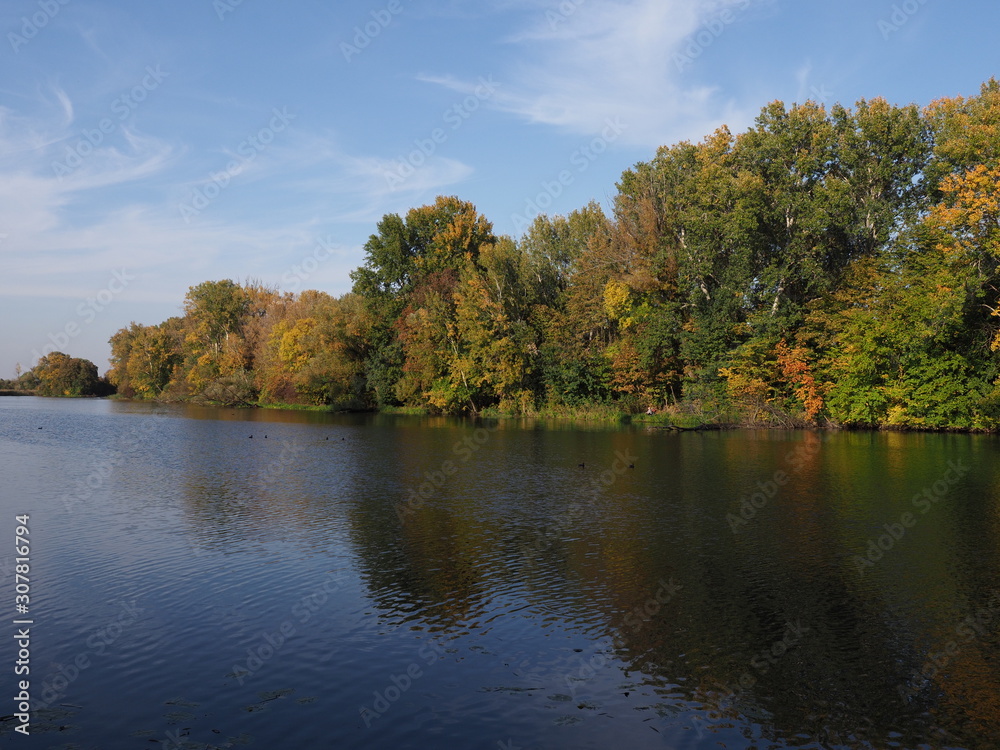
(496, 358)
(407, 283)
(144, 359)
(59, 374)
(966, 134)
(833, 264)
(570, 316)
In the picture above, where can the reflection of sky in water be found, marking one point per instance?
(288, 594)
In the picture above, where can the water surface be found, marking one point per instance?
(374, 581)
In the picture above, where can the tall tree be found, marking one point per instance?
(966, 132)
(497, 359)
(407, 285)
(144, 359)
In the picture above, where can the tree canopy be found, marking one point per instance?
(58, 374)
(831, 266)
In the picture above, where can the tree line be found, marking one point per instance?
(826, 266)
(58, 374)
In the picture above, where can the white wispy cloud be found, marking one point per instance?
(69, 214)
(579, 62)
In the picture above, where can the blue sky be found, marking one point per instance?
(147, 147)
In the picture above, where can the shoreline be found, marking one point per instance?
(688, 422)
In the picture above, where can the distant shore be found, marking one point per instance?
(596, 414)
(664, 420)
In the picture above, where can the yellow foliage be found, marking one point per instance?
(969, 219)
(292, 345)
(618, 302)
(744, 387)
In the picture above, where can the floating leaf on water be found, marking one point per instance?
(509, 690)
(271, 695)
(181, 702)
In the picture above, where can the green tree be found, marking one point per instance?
(144, 359)
(407, 285)
(496, 358)
(59, 374)
(966, 134)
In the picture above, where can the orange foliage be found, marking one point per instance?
(798, 372)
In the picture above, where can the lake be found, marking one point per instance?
(216, 578)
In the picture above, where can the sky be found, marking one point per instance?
(148, 147)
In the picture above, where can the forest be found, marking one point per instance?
(829, 266)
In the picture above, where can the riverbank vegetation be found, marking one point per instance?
(58, 374)
(827, 266)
